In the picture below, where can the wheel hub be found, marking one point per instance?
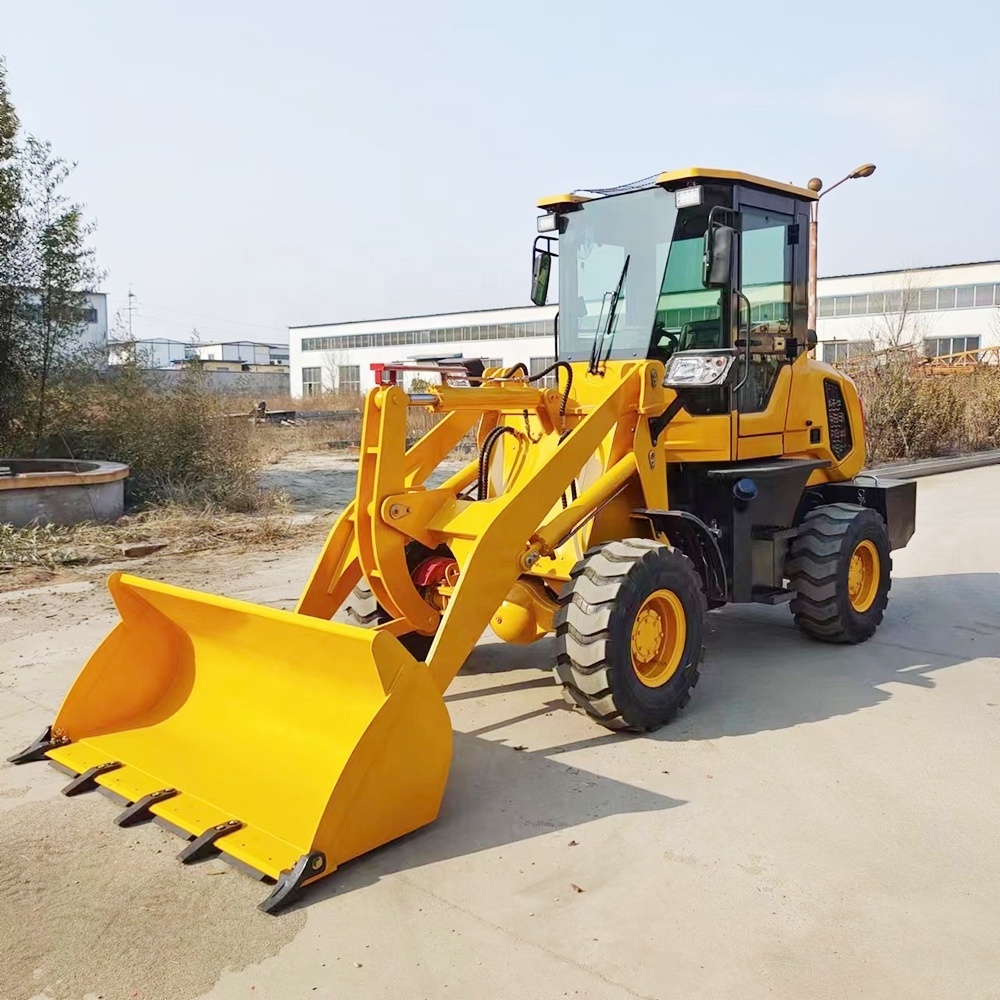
(659, 633)
(863, 576)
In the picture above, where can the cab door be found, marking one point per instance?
(772, 277)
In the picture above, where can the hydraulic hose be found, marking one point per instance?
(486, 456)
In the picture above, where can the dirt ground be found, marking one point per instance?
(819, 822)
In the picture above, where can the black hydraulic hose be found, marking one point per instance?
(572, 485)
(569, 381)
(486, 456)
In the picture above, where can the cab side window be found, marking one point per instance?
(766, 281)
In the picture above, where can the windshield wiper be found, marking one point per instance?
(595, 354)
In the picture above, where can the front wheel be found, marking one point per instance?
(629, 634)
(364, 610)
(840, 569)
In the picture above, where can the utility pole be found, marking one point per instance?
(130, 307)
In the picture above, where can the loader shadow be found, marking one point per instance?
(760, 674)
(495, 796)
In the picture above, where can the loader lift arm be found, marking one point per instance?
(494, 541)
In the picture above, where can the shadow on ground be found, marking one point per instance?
(760, 674)
(495, 796)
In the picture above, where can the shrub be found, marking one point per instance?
(178, 441)
(910, 416)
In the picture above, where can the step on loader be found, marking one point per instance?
(685, 451)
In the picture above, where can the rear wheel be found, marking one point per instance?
(840, 569)
(629, 634)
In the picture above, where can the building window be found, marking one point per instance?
(935, 347)
(493, 362)
(984, 295)
(836, 351)
(946, 297)
(90, 315)
(349, 378)
(927, 299)
(312, 381)
(536, 365)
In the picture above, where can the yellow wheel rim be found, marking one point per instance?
(863, 576)
(659, 633)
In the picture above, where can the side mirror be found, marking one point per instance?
(541, 268)
(718, 262)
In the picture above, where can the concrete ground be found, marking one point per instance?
(820, 822)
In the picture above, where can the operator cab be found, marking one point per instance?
(687, 261)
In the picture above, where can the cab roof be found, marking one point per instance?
(672, 179)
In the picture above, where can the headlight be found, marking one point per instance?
(687, 197)
(697, 368)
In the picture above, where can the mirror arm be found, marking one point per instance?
(548, 240)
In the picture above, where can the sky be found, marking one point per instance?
(256, 165)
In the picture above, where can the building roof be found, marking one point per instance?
(903, 270)
(435, 315)
(236, 343)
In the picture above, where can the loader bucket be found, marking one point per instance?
(288, 743)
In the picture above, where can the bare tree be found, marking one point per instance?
(899, 316)
(995, 326)
(333, 361)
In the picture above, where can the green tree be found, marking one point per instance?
(60, 269)
(11, 245)
(46, 267)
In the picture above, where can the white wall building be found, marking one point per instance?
(161, 352)
(338, 356)
(942, 310)
(95, 329)
(157, 352)
(247, 352)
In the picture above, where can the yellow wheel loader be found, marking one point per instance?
(692, 453)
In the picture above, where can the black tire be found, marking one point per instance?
(364, 610)
(594, 633)
(819, 567)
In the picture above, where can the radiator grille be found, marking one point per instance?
(841, 440)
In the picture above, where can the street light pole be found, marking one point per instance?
(865, 170)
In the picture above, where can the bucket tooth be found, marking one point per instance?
(139, 811)
(290, 884)
(204, 844)
(39, 748)
(87, 781)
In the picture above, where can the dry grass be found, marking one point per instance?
(185, 531)
(910, 416)
(274, 441)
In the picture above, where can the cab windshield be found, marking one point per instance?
(662, 306)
